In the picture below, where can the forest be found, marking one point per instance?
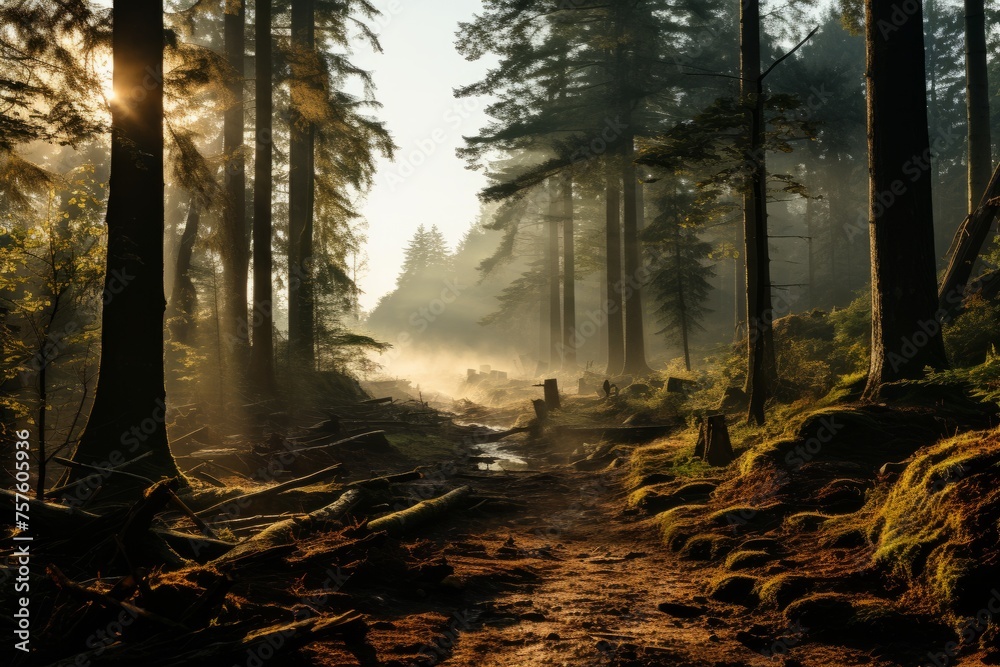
(700, 371)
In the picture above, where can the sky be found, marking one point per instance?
(426, 184)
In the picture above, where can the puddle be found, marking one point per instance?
(504, 459)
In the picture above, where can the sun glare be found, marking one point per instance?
(104, 71)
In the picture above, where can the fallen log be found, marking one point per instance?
(49, 516)
(421, 513)
(88, 595)
(966, 246)
(618, 433)
(383, 482)
(216, 645)
(246, 498)
(498, 435)
(337, 443)
(99, 475)
(195, 547)
(297, 527)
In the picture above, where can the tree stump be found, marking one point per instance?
(552, 394)
(718, 448)
(541, 411)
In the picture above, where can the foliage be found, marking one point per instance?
(969, 338)
(51, 280)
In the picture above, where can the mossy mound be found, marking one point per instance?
(939, 525)
(707, 546)
(679, 524)
(734, 588)
(761, 544)
(855, 620)
(805, 522)
(748, 517)
(661, 497)
(742, 559)
(782, 590)
(842, 496)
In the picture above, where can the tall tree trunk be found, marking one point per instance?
(183, 296)
(613, 261)
(262, 349)
(761, 368)
(235, 254)
(681, 305)
(43, 406)
(906, 336)
(552, 271)
(569, 277)
(128, 415)
(635, 338)
(300, 196)
(977, 101)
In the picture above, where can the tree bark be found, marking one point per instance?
(613, 261)
(262, 348)
(552, 269)
(761, 368)
(635, 337)
(569, 277)
(128, 415)
(905, 330)
(300, 199)
(183, 296)
(235, 254)
(977, 101)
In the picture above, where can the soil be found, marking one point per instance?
(564, 576)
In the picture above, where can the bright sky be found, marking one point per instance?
(426, 184)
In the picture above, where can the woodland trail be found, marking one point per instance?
(568, 578)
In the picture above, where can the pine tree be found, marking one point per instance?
(906, 337)
(128, 418)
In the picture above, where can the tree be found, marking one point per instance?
(306, 83)
(128, 418)
(235, 248)
(906, 335)
(52, 273)
(680, 282)
(262, 348)
(977, 101)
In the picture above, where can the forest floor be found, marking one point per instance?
(569, 577)
(558, 552)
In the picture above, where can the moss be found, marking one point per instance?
(857, 620)
(707, 546)
(422, 446)
(734, 588)
(677, 525)
(782, 590)
(805, 522)
(666, 458)
(651, 499)
(741, 560)
(750, 517)
(767, 544)
(944, 508)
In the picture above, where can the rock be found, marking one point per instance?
(679, 610)
(533, 616)
(552, 637)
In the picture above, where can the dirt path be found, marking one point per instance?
(566, 579)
